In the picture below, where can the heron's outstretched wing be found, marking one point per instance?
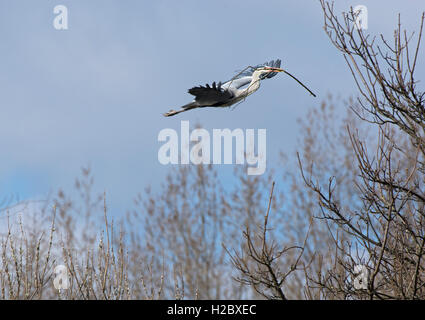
(237, 83)
(211, 95)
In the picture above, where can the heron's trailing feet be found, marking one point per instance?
(186, 107)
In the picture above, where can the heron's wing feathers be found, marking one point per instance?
(211, 95)
(237, 83)
(274, 64)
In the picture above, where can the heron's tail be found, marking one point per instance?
(184, 108)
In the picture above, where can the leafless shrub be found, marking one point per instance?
(259, 261)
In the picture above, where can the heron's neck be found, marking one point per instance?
(254, 84)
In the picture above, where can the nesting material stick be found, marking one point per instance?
(299, 83)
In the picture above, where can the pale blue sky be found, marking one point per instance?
(95, 94)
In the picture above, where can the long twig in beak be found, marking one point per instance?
(293, 77)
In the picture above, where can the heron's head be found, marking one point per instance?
(267, 71)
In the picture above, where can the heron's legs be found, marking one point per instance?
(174, 112)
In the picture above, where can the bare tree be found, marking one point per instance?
(388, 228)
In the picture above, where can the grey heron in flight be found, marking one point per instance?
(233, 91)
